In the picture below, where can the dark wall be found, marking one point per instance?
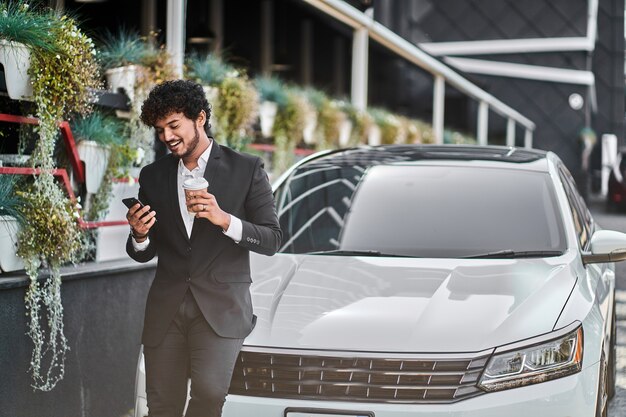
(545, 103)
(103, 318)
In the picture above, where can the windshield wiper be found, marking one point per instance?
(508, 253)
(343, 252)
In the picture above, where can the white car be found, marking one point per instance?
(430, 281)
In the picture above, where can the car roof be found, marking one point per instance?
(458, 155)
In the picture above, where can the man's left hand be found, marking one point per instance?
(205, 205)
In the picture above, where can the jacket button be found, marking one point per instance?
(188, 279)
(189, 249)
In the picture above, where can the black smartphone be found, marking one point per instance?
(131, 201)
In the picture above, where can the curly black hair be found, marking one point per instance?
(177, 96)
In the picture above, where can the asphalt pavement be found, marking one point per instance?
(616, 221)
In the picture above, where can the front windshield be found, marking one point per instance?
(419, 210)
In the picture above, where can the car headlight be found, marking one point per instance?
(554, 355)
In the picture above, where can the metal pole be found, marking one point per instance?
(176, 11)
(510, 132)
(217, 24)
(267, 37)
(483, 123)
(439, 95)
(528, 139)
(360, 45)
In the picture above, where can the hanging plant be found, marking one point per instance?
(389, 125)
(49, 237)
(361, 123)
(64, 75)
(236, 111)
(329, 118)
(288, 127)
(150, 64)
(210, 69)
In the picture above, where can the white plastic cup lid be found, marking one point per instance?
(195, 184)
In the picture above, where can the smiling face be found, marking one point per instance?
(184, 137)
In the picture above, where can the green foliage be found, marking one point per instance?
(389, 125)
(209, 69)
(271, 89)
(62, 83)
(235, 111)
(28, 24)
(458, 138)
(361, 122)
(124, 47)
(49, 237)
(64, 77)
(10, 202)
(288, 128)
(99, 128)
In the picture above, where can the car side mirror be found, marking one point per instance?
(606, 246)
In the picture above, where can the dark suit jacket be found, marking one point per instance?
(210, 264)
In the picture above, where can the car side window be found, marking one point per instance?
(312, 204)
(582, 217)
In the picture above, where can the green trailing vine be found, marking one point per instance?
(288, 126)
(63, 74)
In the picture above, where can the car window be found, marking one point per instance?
(414, 210)
(583, 222)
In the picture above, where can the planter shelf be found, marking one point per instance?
(15, 58)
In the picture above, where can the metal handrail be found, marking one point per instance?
(401, 47)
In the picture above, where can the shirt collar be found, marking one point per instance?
(202, 161)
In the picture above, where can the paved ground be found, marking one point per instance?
(616, 221)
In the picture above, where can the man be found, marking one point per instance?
(199, 308)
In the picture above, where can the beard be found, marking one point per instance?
(193, 144)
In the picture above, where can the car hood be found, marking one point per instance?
(404, 304)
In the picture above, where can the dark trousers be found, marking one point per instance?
(190, 349)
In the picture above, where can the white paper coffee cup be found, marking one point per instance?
(194, 184)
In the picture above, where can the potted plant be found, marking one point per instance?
(120, 55)
(236, 111)
(289, 124)
(50, 236)
(11, 220)
(361, 123)
(96, 133)
(272, 95)
(329, 119)
(63, 80)
(23, 31)
(388, 124)
(209, 70)
(134, 64)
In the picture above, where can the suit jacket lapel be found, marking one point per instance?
(173, 197)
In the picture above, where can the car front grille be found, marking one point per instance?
(362, 379)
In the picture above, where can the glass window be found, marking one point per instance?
(583, 222)
(419, 210)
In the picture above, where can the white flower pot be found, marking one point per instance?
(267, 115)
(9, 261)
(96, 159)
(111, 240)
(15, 58)
(123, 79)
(374, 136)
(345, 129)
(310, 123)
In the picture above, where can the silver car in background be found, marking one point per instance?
(431, 281)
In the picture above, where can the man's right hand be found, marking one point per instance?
(141, 220)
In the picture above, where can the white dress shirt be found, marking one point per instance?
(235, 229)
